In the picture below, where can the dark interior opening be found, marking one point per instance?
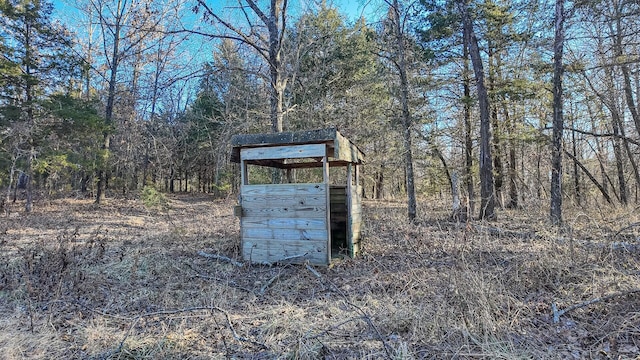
(338, 218)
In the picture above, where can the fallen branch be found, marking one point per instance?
(235, 334)
(313, 271)
(292, 257)
(221, 258)
(268, 283)
(326, 331)
(626, 228)
(557, 313)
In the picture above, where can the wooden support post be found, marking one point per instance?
(325, 178)
(349, 227)
(244, 174)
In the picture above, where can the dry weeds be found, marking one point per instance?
(118, 282)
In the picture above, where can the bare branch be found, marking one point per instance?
(241, 36)
(221, 258)
(557, 313)
(257, 10)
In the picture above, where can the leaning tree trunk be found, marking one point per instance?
(487, 201)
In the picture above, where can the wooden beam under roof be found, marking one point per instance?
(343, 149)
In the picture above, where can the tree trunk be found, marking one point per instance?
(590, 176)
(513, 172)
(12, 171)
(468, 136)
(275, 65)
(558, 122)
(379, 184)
(576, 174)
(29, 186)
(487, 201)
(111, 95)
(406, 115)
(628, 91)
(495, 125)
(622, 183)
(29, 97)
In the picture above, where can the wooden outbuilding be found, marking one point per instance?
(291, 221)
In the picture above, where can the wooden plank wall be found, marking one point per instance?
(354, 226)
(281, 221)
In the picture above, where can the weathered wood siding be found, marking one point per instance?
(284, 152)
(354, 223)
(285, 220)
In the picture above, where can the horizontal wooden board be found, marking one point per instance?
(268, 251)
(337, 143)
(281, 245)
(284, 189)
(285, 223)
(283, 200)
(294, 211)
(284, 152)
(285, 234)
(260, 257)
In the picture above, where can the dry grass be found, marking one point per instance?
(119, 282)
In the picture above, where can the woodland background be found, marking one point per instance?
(118, 95)
(525, 111)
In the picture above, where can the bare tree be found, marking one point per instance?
(558, 122)
(400, 62)
(125, 26)
(468, 142)
(269, 46)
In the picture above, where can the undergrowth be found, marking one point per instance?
(118, 282)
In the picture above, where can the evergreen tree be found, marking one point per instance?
(34, 66)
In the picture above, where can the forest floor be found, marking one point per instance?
(117, 281)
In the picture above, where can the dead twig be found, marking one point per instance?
(268, 283)
(328, 330)
(235, 334)
(292, 257)
(221, 258)
(313, 271)
(557, 313)
(626, 228)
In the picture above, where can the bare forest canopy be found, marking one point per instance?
(453, 96)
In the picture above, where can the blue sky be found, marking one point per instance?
(353, 9)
